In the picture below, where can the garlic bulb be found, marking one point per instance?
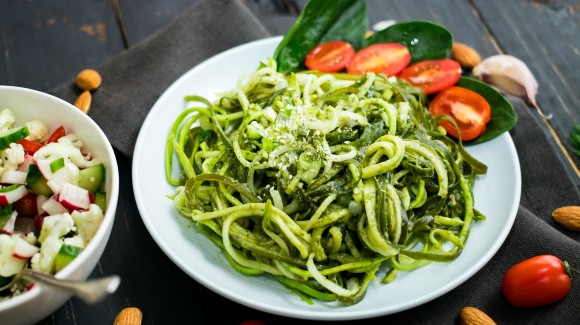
(511, 76)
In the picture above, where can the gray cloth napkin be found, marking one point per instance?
(135, 79)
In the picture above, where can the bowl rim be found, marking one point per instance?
(105, 228)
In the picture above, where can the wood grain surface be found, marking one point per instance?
(46, 43)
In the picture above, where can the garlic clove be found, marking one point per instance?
(509, 75)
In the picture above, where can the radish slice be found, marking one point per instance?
(28, 160)
(74, 197)
(44, 167)
(12, 196)
(52, 207)
(9, 225)
(23, 249)
(40, 199)
(13, 177)
(69, 173)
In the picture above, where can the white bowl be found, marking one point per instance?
(27, 104)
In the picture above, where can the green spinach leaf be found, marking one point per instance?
(424, 40)
(503, 117)
(321, 21)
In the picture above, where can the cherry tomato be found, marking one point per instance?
(330, 57)
(387, 58)
(537, 281)
(470, 111)
(432, 76)
(57, 134)
(30, 146)
(26, 206)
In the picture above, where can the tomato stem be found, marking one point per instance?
(569, 269)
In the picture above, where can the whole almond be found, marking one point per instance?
(474, 316)
(465, 55)
(88, 79)
(83, 102)
(129, 316)
(568, 216)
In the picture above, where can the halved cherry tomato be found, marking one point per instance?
(470, 111)
(432, 76)
(30, 146)
(330, 57)
(537, 281)
(387, 58)
(57, 134)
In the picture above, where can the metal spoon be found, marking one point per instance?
(90, 291)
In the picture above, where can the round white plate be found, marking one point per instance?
(497, 195)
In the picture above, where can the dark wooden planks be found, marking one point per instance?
(544, 34)
(45, 43)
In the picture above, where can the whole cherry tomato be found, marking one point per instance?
(469, 109)
(432, 76)
(537, 281)
(330, 57)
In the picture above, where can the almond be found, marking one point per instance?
(88, 79)
(83, 102)
(568, 216)
(129, 316)
(465, 55)
(474, 316)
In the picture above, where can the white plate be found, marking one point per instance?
(497, 195)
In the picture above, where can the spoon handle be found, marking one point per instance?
(90, 291)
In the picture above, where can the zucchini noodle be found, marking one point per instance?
(324, 181)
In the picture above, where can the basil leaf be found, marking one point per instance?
(321, 21)
(503, 117)
(424, 40)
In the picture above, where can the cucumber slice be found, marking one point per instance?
(36, 182)
(92, 178)
(101, 200)
(65, 255)
(56, 164)
(9, 188)
(5, 280)
(12, 135)
(5, 214)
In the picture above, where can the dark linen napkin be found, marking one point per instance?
(135, 79)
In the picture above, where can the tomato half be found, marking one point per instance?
(57, 134)
(30, 146)
(537, 281)
(330, 57)
(387, 58)
(432, 76)
(469, 109)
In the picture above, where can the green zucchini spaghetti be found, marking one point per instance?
(324, 181)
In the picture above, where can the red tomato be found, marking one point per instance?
(30, 146)
(57, 134)
(538, 281)
(470, 111)
(387, 58)
(330, 57)
(432, 76)
(26, 206)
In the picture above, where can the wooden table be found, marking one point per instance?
(46, 43)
